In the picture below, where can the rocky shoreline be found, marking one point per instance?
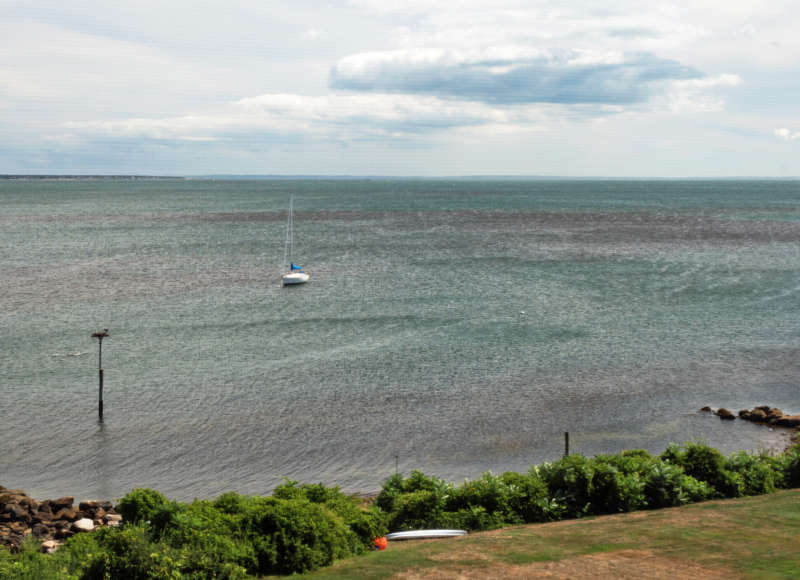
(763, 414)
(52, 521)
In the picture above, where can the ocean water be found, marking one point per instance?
(452, 326)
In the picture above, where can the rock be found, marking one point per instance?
(788, 421)
(8, 497)
(17, 513)
(40, 530)
(725, 414)
(86, 506)
(31, 504)
(64, 514)
(83, 525)
(112, 518)
(764, 408)
(17, 527)
(706, 409)
(758, 415)
(774, 415)
(45, 507)
(40, 517)
(62, 502)
(50, 546)
(744, 414)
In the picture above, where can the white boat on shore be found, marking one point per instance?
(295, 275)
(425, 534)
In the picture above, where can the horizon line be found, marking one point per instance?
(488, 176)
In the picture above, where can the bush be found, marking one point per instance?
(139, 505)
(612, 490)
(790, 467)
(295, 535)
(128, 553)
(757, 472)
(666, 485)
(706, 464)
(568, 481)
(484, 501)
(528, 497)
(367, 523)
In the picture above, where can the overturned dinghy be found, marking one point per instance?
(425, 534)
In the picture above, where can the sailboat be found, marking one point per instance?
(295, 275)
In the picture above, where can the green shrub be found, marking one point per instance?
(367, 523)
(612, 490)
(414, 502)
(706, 464)
(417, 509)
(139, 505)
(29, 563)
(295, 535)
(486, 500)
(666, 485)
(528, 497)
(790, 467)
(757, 472)
(213, 543)
(128, 553)
(568, 481)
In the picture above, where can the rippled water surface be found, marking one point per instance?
(450, 326)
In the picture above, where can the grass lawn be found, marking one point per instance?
(756, 537)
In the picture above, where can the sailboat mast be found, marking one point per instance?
(286, 253)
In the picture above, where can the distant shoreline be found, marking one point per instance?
(322, 177)
(56, 177)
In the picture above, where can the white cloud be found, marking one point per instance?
(331, 116)
(314, 34)
(698, 95)
(786, 134)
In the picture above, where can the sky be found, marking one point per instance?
(690, 88)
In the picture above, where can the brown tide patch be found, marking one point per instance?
(622, 564)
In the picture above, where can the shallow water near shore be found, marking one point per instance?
(449, 326)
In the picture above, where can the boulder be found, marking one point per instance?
(40, 530)
(774, 415)
(60, 503)
(45, 507)
(83, 525)
(40, 517)
(31, 504)
(50, 546)
(723, 413)
(8, 497)
(64, 514)
(758, 415)
(744, 414)
(112, 518)
(706, 409)
(17, 527)
(788, 421)
(86, 506)
(17, 513)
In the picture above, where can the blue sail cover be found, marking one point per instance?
(296, 267)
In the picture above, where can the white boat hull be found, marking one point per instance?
(294, 278)
(425, 534)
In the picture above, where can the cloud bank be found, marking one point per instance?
(512, 74)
